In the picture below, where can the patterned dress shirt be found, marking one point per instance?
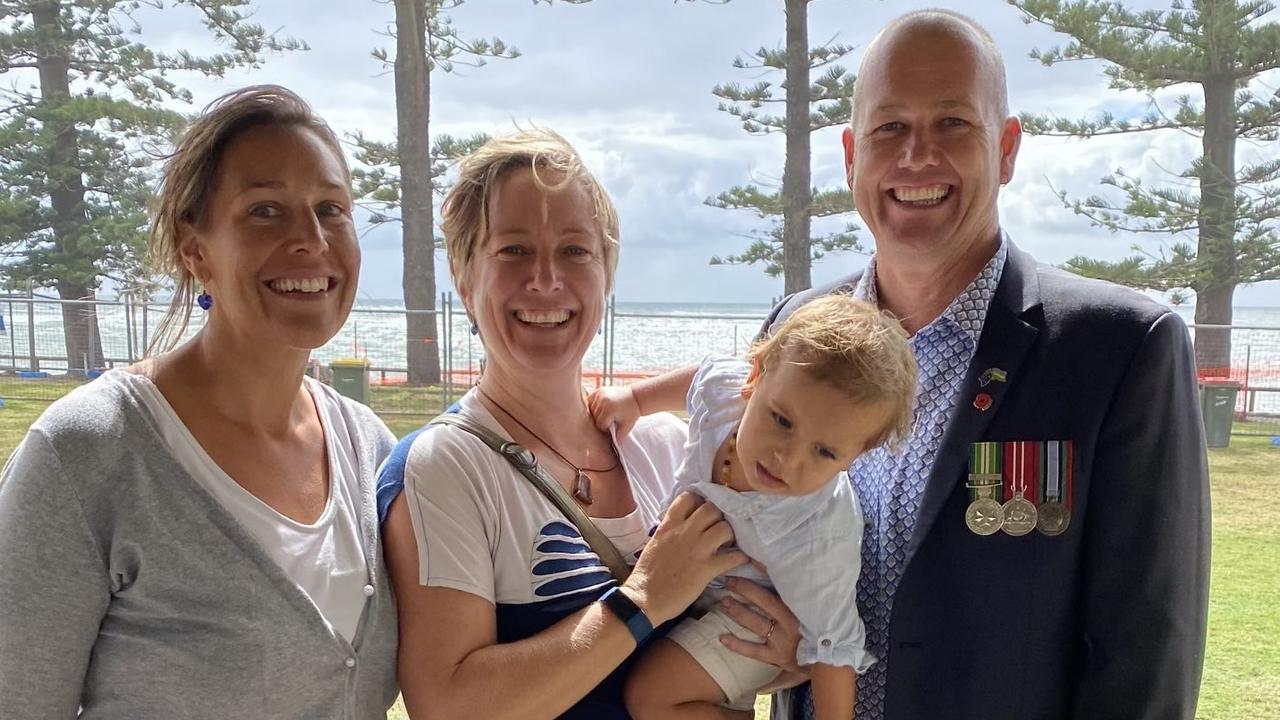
(890, 484)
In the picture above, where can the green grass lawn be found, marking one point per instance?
(1242, 663)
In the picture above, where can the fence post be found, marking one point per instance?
(606, 363)
(1248, 396)
(31, 327)
(13, 339)
(128, 328)
(89, 313)
(449, 346)
(443, 347)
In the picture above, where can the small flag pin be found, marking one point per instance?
(992, 374)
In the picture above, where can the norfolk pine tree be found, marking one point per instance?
(407, 176)
(82, 96)
(787, 248)
(1220, 48)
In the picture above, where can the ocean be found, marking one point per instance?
(645, 337)
(649, 337)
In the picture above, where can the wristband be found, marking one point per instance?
(628, 612)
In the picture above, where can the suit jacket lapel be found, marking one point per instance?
(1008, 333)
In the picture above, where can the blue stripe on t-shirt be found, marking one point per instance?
(574, 583)
(562, 546)
(563, 529)
(562, 565)
(391, 474)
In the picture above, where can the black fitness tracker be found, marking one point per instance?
(628, 612)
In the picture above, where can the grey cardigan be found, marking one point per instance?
(127, 591)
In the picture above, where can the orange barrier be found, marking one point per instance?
(465, 378)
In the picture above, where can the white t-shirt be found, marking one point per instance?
(483, 528)
(324, 558)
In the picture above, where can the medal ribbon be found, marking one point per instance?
(1058, 469)
(1052, 471)
(1022, 465)
(984, 459)
(1067, 467)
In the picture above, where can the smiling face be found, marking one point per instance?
(276, 247)
(798, 432)
(536, 286)
(930, 145)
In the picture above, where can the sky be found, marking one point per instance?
(629, 82)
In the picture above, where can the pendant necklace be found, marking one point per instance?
(581, 481)
(726, 468)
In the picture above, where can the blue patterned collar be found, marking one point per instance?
(968, 311)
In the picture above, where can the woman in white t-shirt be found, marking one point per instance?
(196, 536)
(505, 610)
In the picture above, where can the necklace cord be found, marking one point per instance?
(616, 459)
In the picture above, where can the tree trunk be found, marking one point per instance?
(80, 327)
(1213, 345)
(796, 185)
(413, 112)
(1217, 275)
(66, 190)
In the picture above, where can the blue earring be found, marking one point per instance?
(475, 329)
(204, 300)
(600, 331)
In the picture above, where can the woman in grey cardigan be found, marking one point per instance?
(195, 536)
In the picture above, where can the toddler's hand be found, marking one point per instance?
(614, 406)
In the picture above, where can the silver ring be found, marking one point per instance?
(773, 622)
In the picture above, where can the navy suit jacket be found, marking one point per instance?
(1106, 620)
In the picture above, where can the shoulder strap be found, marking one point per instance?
(522, 459)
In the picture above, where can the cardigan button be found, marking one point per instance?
(350, 662)
(368, 591)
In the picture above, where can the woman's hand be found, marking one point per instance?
(614, 405)
(683, 555)
(771, 620)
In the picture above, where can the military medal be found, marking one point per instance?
(1019, 516)
(1021, 471)
(984, 515)
(1053, 518)
(1055, 508)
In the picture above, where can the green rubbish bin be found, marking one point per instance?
(1218, 408)
(351, 378)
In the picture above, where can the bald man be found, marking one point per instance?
(1039, 550)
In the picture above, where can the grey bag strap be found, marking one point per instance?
(522, 459)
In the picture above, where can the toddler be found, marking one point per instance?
(770, 441)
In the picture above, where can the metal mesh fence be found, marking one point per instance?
(48, 346)
(1255, 366)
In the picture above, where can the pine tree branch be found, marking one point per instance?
(1106, 124)
(827, 53)
(1107, 31)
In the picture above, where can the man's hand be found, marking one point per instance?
(614, 406)
(766, 615)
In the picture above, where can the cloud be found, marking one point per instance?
(629, 83)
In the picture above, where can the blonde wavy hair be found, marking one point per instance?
(856, 349)
(555, 165)
(190, 173)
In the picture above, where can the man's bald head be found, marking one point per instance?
(917, 28)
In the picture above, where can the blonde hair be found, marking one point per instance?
(856, 349)
(190, 173)
(555, 165)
